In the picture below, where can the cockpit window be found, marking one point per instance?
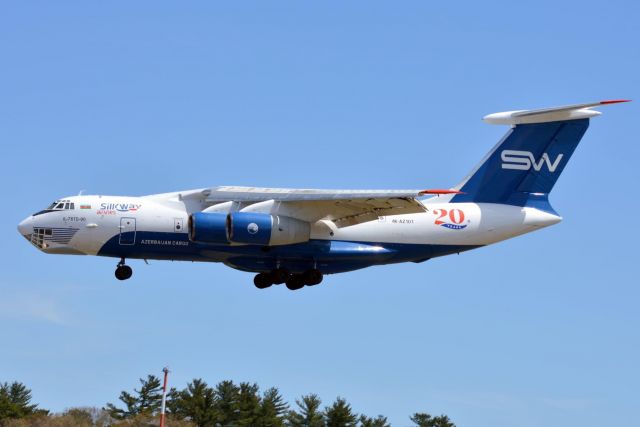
(58, 205)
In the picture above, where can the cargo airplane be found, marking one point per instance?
(296, 236)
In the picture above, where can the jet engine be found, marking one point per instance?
(207, 227)
(249, 228)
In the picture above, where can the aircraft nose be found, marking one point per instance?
(26, 226)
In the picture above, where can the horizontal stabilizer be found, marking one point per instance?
(439, 192)
(545, 115)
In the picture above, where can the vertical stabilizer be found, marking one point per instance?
(525, 165)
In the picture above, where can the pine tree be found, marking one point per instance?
(443, 421)
(227, 403)
(308, 413)
(273, 408)
(197, 402)
(15, 401)
(146, 401)
(378, 421)
(339, 414)
(248, 405)
(422, 419)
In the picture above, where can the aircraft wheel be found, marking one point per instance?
(123, 272)
(295, 282)
(279, 276)
(313, 277)
(262, 280)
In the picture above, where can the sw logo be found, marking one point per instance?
(452, 219)
(524, 160)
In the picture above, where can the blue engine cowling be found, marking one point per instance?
(253, 228)
(208, 227)
(250, 228)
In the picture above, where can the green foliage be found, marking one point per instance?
(339, 414)
(422, 419)
(227, 402)
(197, 405)
(308, 413)
(273, 409)
(145, 401)
(228, 405)
(248, 405)
(378, 421)
(15, 401)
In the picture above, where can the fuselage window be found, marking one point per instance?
(71, 206)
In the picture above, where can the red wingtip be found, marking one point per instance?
(423, 192)
(614, 101)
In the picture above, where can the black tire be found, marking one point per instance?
(295, 282)
(280, 276)
(123, 272)
(262, 280)
(313, 277)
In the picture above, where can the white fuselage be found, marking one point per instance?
(146, 227)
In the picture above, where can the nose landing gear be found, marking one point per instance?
(123, 271)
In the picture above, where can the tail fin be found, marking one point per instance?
(525, 165)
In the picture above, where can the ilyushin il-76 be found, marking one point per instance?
(296, 236)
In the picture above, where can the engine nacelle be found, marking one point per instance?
(248, 228)
(208, 227)
(264, 229)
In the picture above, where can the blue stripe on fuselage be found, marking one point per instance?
(330, 256)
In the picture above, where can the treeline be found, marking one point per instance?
(198, 405)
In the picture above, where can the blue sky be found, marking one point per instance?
(137, 98)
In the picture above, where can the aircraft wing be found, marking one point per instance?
(255, 194)
(343, 207)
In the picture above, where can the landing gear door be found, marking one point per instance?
(127, 231)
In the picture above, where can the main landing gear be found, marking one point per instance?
(293, 281)
(123, 271)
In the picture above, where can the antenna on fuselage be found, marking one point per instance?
(80, 192)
